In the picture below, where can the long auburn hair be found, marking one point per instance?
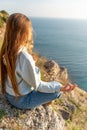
(17, 34)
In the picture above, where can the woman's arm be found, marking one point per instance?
(31, 74)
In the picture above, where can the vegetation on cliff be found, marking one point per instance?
(3, 17)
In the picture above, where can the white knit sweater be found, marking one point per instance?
(28, 77)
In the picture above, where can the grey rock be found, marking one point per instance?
(40, 118)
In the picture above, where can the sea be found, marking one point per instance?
(65, 41)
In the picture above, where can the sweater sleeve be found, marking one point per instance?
(31, 74)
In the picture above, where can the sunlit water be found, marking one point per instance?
(64, 41)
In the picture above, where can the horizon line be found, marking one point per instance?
(57, 18)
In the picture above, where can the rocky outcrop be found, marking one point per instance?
(55, 72)
(40, 118)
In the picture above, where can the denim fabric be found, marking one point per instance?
(32, 99)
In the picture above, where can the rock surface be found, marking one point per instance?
(40, 118)
(55, 72)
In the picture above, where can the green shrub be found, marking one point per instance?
(2, 113)
(1, 21)
(3, 17)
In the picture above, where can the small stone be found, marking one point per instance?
(65, 114)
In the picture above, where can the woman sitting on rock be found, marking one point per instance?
(20, 78)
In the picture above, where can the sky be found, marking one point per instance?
(72, 9)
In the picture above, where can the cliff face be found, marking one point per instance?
(67, 113)
(72, 106)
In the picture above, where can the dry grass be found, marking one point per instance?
(77, 98)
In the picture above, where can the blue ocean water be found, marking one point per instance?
(64, 41)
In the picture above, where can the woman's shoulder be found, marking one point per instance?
(24, 55)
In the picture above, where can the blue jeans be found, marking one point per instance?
(32, 99)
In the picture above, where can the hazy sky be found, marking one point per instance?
(47, 8)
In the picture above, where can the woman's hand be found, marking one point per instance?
(68, 87)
